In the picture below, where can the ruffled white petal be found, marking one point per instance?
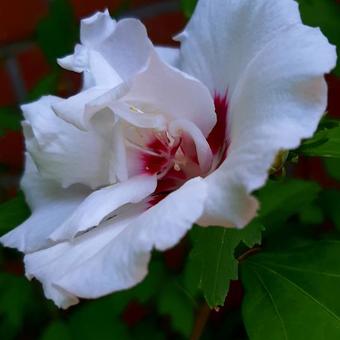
(51, 264)
(50, 206)
(138, 118)
(96, 28)
(110, 51)
(169, 55)
(290, 95)
(61, 151)
(203, 151)
(223, 36)
(173, 94)
(102, 73)
(279, 100)
(103, 203)
(115, 256)
(81, 108)
(118, 161)
(75, 62)
(158, 93)
(74, 109)
(128, 49)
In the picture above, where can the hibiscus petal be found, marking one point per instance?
(128, 49)
(169, 55)
(73, 109)
(279, 100)
(223, 36)
(97, 71)
(82, 107)
(51, 264)
(50, 205)
(103, 203)
(96, 28)
(76, 61)
(173, 94)
(61, 151)
(93, 31)
(118, 161)
(115, 256)
(102, 73)
(204, 153)
(111, 52)
(138, 118)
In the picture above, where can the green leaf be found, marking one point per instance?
(188, 7)
(293, 294)
(175, 302)
(101, 319)
(57, 33)
(148, 329)
(13, 213)
(56, 331)
(15, 299)
(333, 167)
(311, 214)
(330, 200)
(97, 320)
(9, 120)
(325, 143)
(45, 86)
(212, 262)
(282, 199)
(155, 279)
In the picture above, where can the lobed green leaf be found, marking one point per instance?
(212, 262)
(293, 294)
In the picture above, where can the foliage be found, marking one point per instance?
(325, 143)
(15, 303)
(12, 213)
(293, 294)
(333, 167)
(9, 120)
(57, 33)
(212, 262)
(188, 7)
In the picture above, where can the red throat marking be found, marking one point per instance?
(217, 137)
(162, 154)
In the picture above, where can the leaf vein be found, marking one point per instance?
(297, 269)
(273, 303)
(218, 263)
(300, 289)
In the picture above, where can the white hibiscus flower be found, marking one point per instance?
(159, 139)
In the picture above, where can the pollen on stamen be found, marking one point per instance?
(135, 109)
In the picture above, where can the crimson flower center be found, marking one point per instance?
(175, 160)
